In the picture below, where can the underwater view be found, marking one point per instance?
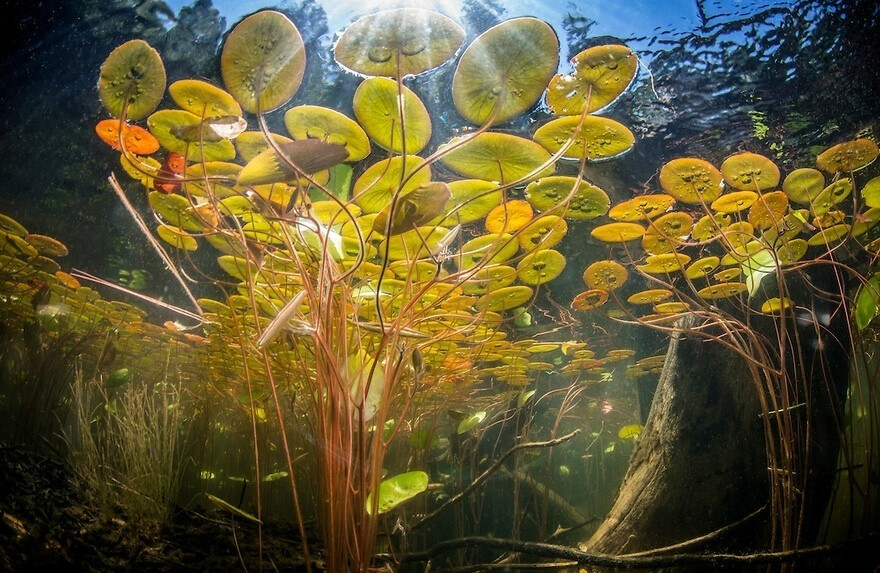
(457, 285)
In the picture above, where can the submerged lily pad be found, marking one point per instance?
(132, 80)
(601, 74)
(605, 275)
(597, 138)
(495, 157)
(397, 490)
(505, 70)
(377, 106)
(263, 61)
(397, 43)
(325, 124)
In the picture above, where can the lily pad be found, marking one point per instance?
(504, 298)
(618, 232)
(374, 189)
(377, 106)
(471, 200)
(132, 80)
(252, 143)
(641, 208)
(848, 156)
(734, 202)
(495, 157)
(540, 267)
(397, 43)
(177, 238)
(691, 180)
(605, 275)
(413, 209)
(803, 185)
(588, 202)
(750, 172)
(325, 124)
(601, 74)
(510, 216)
(263, 61)
(596, 138)
(203, 99)
(505, 70)
(544, 232)
(470, 422)
(489, 249)
(397, 490)
(590, 299)
(164, 123)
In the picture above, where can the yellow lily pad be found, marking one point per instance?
(510, 216)
(489, 278)
(605, 275)
(221, 177)
(489, 249)
(691, 180)
(471, 200)
(252, 143)
(495, 157)
(641, 208)
(734, 202)
(768, 210)
(177, 238)
(164, 123)
(325, 124)
(833, 194)
(263, 61)
(377, 106)
(871, 192)
(46, 246)
(309, 156)
(650, 296)
(597, 138)
(544, 232)
(722, 290)
(848, 156)
(413, 208)
(750, 172)
(702, 267)
(504, 298)
(397, 43)
(829, 236)
(505, 70)
(776, 305)
(664, 264)
(601, 74)
(617, 232)
(132, 80)
(709, 226)
(587, 202)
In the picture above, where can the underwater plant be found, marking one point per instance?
(362, 280)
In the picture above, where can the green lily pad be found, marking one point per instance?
(397, 43)
(471, 200)
(252, 143)
(598, 138)
(601, 74)
(588, 202)
(803, 185)
(377, 108)
(175, 209)
(505, 70)
(496, 157)
(263, 61)
(177, 238)
(164, 123)
(374, 189)
(132, 80)
(203, 99)
(397, 490)
(470, 423)
(413, 208)
(325, 124)
(46, 246)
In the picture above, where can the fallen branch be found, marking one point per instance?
(485, 475)
(574, 556)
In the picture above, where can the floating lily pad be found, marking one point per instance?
(374, 189)
(175, 210)
(11, 226)
(722, 290)
(540, 267)
(132, 80)
(495, 157)
(601, 74)
(710, 226)
(597, 138)
(702, 267)
(325, 124)
(505, 70)
(221, 177)
(177, 238)
(397, 43)
(750, 172)
(164, 123)
(641, 208)
(252, 143)
(489, 249)
(46, 246)
(309, 156)
(691, 180)
(829, 236)
(833, 194)
(510, 216)
(669, 308)
(472, 199)
(803, 185)
(377, 106)
(768, 210)
(203, 99)
(605, 275)
(734, 202)
(848, 156)
(136, 139)
(397, 490)
(412, 209)
(664, 264)
(263, 61)
(504, 298)
(587, 202)
(489, 278)
(617, 232)
(650, 296)
(871, 192)
(544, 232)
(211, 129)
(590, 299)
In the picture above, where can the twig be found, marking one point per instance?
(651, 562)
(483, 476)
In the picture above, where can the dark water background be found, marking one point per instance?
(785, 79)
